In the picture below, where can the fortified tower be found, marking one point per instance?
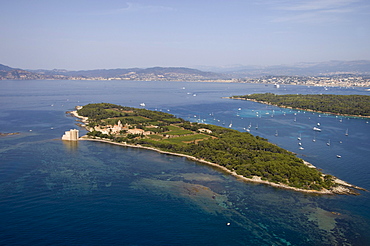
(71, 135)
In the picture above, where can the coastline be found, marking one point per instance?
(309, 110)
(342, 188)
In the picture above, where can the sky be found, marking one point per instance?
(97, 34)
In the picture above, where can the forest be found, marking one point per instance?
(354, 105)
(241, 152)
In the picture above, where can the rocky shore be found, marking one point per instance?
(342, 188)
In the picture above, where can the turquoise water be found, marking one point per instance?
(90, 193)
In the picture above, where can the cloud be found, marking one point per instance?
(317, 5)
(312, 11)
(134, 7)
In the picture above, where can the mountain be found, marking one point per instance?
(17, 74)
(331, 68)
(5, 68)
(151, 74)
(109, 73)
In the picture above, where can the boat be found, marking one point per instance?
(339, 156)
(300, 137)
(328, 143)
(301, 148)
(276, 133)
(316, 129)
(257, 127)
(231, 124)
(142, 104)
(346, 132)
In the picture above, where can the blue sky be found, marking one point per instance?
(91, 34)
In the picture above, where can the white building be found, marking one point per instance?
(71, 135)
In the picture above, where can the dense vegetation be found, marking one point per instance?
(336, 104)
(241, 152)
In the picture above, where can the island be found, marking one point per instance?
(347, 105)
(248, 157)
(8, 134)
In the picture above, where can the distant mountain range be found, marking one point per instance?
(300, 69)
(203, 73)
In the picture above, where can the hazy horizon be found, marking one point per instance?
(87, 35)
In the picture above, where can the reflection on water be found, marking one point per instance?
(70, 146)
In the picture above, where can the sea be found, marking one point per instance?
(55, 192)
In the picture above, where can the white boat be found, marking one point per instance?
(300, 137)
(316, 129)
(346, 132)
(231, 124)
(339, 156)
(301, 148)
(276, 133)
(142, 104)
(328, 143)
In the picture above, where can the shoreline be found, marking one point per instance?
(342, 188)
(308, 110)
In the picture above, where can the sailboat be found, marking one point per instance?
(276, 133)
(316, 129)
(231, 124)
(300, 137)
(346, 132)
(257, 127)
(328, 143)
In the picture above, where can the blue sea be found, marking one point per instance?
(91, 193)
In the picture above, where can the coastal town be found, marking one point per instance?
(352, 78)
(348, 80)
